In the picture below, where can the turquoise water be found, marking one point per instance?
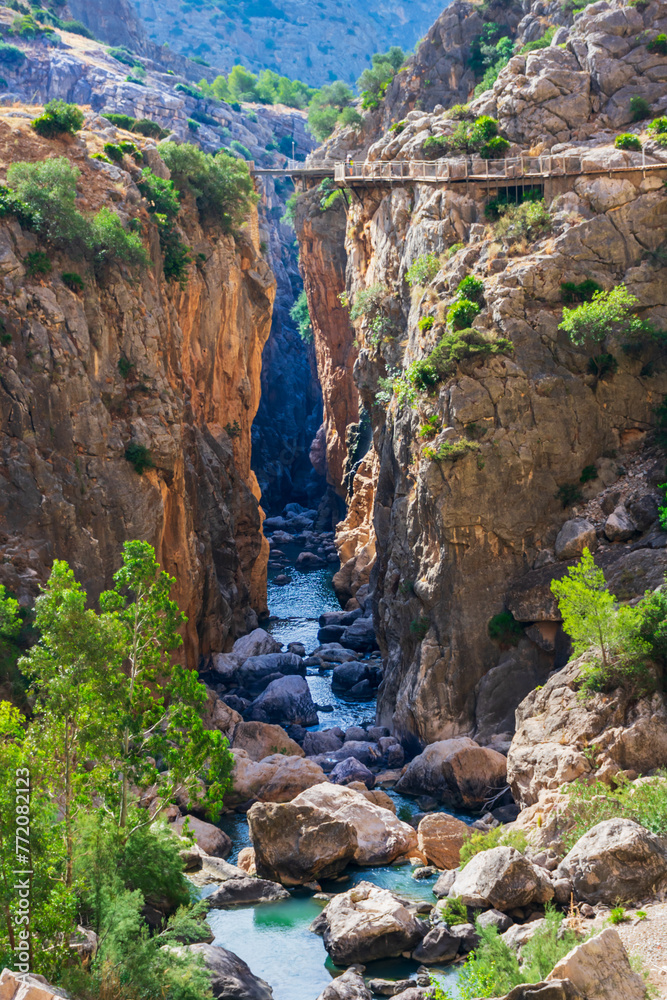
(274, 939)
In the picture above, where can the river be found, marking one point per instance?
(274, 938)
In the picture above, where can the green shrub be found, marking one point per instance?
(139, 456)
(239, 148)
(627, 141)
(639, 107)
(658, 45)
(150, 129)
(618, 915)
(505, 629)
(494, 149)
(398, 127)
(423, 269)
(326, 107)
(588, 474)
(189, 91)
(450, 451)
(288, 215)
(37, 262)
(193, 125)
(453, 912)
(471, 288)
(425, 324)
(161, 194)
(539, 43)
(482, 130)
(11, 56)
(658, 126)
(454, 248)
(590, 804)
(550, 942)
(430, 427)
(423, 375)
(456, 346)
(583, 292)
(176, 256)
(111, 243)
(420, 626)
(461, 314)
(601, 365)
(499, 836)
(301, 316)
(330, 194)
(528, 220)
(368, 302)
(73, 281)
(59, 118)
(102, 157)
(221, 184)
(491, 970)
(77, 28)
(492, 209)
(608, 313)
(123, 55)
(569, 494)
(435, 146)
(114, 152)
(125, 366)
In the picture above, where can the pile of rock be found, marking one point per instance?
(298, 526)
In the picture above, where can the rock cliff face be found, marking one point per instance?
(133, 359)
(465, 475)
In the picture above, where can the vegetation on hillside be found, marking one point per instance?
(113, 717)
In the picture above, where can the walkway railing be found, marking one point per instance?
(474, 168)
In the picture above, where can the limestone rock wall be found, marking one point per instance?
(133, 359)
(456, 536)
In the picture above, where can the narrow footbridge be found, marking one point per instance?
(465, 169)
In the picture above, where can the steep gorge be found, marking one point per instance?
(462, 539)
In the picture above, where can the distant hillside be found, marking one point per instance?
(314, 41)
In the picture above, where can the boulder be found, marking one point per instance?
(457, 772)
(558, 989)
(287, 699)
(503, 879)
(349, 770)
(274, 779)
(644, 511)
(349, 986)
(246, 891)
(444, 884)
(356, 734)
(330, 633)
(439, 945)
(360, 636)
(368, 923)
(246, 860)
(211, 840)
(575, 536)
(494, 918)
(440, 838)
(256, 643)
(554, 727)
(616, 860)
(619, 526)
(600, 970)
(261, 739)
(381, 836)
(296, 647)
(231, 979)
(219, 715)
(253, 672)
(346, 675)
(295, 844)
(309, 560)
(504, 687)
(323, 742)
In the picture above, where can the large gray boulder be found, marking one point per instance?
(575, 536)
(619, 526)
(295, 844)
(351, 769)
(286, 699)
(599, 969)
(252, 673)
(368, 923)
(322, 742)
(457, 772)
(381, 836)
(360, 636)
(245, 891)
(256, 643)
(616, 860)
(346, 675)
(212, 840)
(231, 979)
(349, 986)
(501, 878)
(262, 739)
(439, 945)
(273, 779)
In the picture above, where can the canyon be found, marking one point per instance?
(364, 527)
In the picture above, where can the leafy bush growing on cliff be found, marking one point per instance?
(658, 45)
(606, 314)
(11, 56)
(645, 803)
(539, 43)
(48, 192)
(164, 205)
(221, 184)
(450, 451)
(373, 82)
(570, 291)
(526, 221)
(615, 635)
(639, 107)
(505, 629)
(59, 118)
(500, 836)
(627, 141)
(423, 269)
(461, 314)
(435, 146)
(301, 316)
(472, 288)
(326, 108)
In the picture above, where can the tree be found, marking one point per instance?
(373, 81)
(161, 741)
(242, 84)
(587, 607)
(326, 106)
(221, 184)
(72, 669)
(301, 316)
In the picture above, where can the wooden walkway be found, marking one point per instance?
(473, 168)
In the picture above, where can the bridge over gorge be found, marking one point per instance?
(550, 172)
